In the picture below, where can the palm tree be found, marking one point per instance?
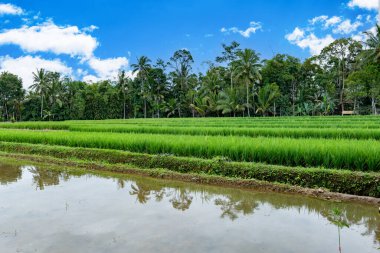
(248, 70)
(229, 102)
(55, 93)
(181, 62)
(40, 85)
(373, 43)
(266, 97)
(122, 83)
(142, 68)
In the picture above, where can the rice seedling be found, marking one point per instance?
(306, 152)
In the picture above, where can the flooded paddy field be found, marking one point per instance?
(49, 210)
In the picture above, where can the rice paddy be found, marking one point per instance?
(344, 143)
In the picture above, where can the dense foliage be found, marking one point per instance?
(345, 76)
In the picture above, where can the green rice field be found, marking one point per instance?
(349, 144)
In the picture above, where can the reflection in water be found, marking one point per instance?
(232, 206)
(43, 177)
(229, 204)
(337, 218)
(9, 174)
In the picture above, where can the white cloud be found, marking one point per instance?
(347, 27)
(314, 43)
(48, 37)
(253, 27)
(310, 41)
(325, 21)
(25, 66)
(318, 19)
(332, 21)
(107, 68)
(364, 4)
(208, 35)
(362, 37)
(10, 9)
(297, 34)
(90, 28)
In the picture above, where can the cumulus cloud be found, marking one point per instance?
(107, 69)
(306, 37)
(332, 21)
(364, 4)
(325, 21)
(311, 41)
(49, 37)
(253, 27)
(25, 66)
(10, 9)
(318, 19)
(362, 37)
(90, 28)
(297, 34)
(346, 27)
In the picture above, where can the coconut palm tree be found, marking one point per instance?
(122, 82)
(266, 97)
(373, 43)
(248, 70)
(229, 102)
(40, 85)
(142, 68)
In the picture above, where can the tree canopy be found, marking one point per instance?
(344, 76)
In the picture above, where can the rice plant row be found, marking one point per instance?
(226, 131)
(341, 153)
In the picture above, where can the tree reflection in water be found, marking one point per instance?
(44, 177)
(9, 174)
(181, 199)
(233, 203)
(141, 191)
(231, 206)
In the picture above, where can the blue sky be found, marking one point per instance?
(92, 40)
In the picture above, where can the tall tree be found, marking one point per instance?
(229, 55)
(340, 58)
(181, 62)
(122, 84)
(373, 43)
(142, 69)
(248, 70)
(11, 94)
(284, 70)
(40, 85)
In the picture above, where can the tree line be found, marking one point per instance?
(344, 76)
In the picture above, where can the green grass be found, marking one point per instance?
(344, 181)
(307, 152)
(331, 133)
(335, 152)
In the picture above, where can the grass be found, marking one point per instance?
(343, 181)
(339, 153)
(328, 143)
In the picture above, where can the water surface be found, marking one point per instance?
(44, 210)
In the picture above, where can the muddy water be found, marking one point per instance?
(43, 210)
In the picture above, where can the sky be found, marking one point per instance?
(93, 40)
